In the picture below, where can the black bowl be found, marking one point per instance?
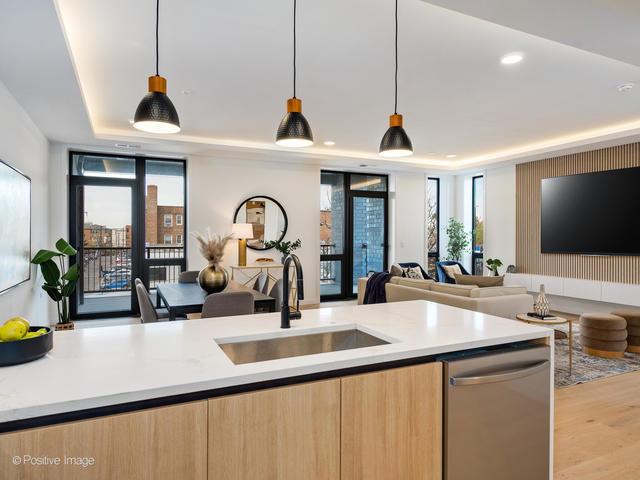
(22, 351)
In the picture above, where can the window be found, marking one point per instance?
(477, 234)
(168, 220)
(179, 239)
(168, 239)
(178, 219)
(433, 224)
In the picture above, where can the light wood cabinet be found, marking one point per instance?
(281, 433)
(155, 444)
(392, 424)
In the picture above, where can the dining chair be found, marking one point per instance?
(189, 276)
(148, 313)
(262, 283)
(277, 293)
(227, 304)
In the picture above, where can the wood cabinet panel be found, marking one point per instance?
(287, 433)
(155, 444)
(392, 424)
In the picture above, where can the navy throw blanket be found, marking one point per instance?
(374, 292)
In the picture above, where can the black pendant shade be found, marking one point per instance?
(156, 114)
(396, 143)
(294, 130)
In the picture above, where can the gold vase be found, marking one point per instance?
(213, 278)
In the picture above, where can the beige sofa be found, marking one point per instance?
(504, 302)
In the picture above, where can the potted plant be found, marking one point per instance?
(458, 240)
(60, 279)
(213, 278)
(493, 264)
(285, 248)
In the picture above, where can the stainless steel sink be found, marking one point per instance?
(298, 345)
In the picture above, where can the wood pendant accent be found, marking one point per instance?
(294, 105)
(529, 259)
(395, 120)
(602, 353)
(157, 84)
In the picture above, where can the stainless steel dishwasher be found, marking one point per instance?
(497, 414)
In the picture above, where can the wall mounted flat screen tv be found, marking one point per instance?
(15, 227)
(592, 213)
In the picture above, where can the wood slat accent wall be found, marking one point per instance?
(617, 269)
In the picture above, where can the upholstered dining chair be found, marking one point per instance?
(442, 275)
(262, 283)
(189, 276)
(148, 314)
(227, 304)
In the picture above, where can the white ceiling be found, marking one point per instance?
(235, 59)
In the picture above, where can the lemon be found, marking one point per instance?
(31, 335)
(12, 331)
(22, 320)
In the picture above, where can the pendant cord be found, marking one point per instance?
(157, 26)
(395, 105)
(294, 47)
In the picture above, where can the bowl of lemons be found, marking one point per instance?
(20, 342)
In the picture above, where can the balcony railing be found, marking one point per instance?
(327, 267)
(108, 269)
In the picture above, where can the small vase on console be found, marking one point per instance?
(541, 306)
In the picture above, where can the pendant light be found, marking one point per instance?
(396, 143)
(156, 113)
(294, 130)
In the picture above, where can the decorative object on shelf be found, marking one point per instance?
(60, 279)
(458, 242)
(268, 218)
(541, 307)
(242, 231)
(264, 260)
(285, 248)
(395, 142)
(15, 233)
(493, 264)
(294, 130)
(20, 342)
(155, 112)
(213, 278)
(511, 269)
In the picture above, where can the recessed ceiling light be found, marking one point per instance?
(625, 87)
(452, 155)
(329, 143)
(511, 58)
(186, 92)
(131, 121)
(363, 165)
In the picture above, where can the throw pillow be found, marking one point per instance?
(413, 272)
(396, 270)
(452, 270)
(480, 280)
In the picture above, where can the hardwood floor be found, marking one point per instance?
(597, 430)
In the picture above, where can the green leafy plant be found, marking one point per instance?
(59, 279)
(284, 247)
(493, 264)
(459, 240)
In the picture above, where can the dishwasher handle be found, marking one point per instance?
(500, 377)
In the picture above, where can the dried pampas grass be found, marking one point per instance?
(212, 246)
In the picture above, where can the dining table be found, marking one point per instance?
(183, 298)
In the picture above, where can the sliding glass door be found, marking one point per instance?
(353, 231)
(127, 219)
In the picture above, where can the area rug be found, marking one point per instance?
(587, 367)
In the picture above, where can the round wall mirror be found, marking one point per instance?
(268, 218)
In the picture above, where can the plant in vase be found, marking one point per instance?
(60, 279)
(493, 264)
(285, 248)
(213, 278)
(458, 240)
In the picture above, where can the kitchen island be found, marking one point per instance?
(168, 396)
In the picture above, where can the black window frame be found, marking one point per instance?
(435, 255)
(474, 255)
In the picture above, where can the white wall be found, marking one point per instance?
(23, 146)
(500, 214)
(216, 186)
(409, 209)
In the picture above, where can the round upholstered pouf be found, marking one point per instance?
(603, 334)
(632, 316)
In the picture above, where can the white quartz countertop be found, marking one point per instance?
(98, 367)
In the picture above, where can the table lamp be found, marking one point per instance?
(242, 231)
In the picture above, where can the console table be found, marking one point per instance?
(252, 271)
